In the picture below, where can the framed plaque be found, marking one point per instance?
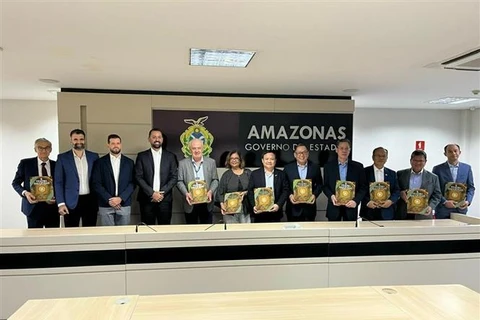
(417, 201)
(264, 199)
(302, 191)
(344, 191)
(456, 192)
(198, 190)
(233, 202)
(379, 192)
(41, 188)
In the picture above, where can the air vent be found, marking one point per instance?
(466, 62)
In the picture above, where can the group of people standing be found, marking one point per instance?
(86, 185)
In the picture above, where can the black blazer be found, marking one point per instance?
(388, 176)
(280, 188)
(103, 181)
(356, 173)
(27, 168)
(144, 175)
(313, 173)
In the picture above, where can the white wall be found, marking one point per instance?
(1, 161)
(22, 122)
(398, 130)
(473, 157)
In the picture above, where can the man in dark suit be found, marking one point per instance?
(72, 183)
(113, 182)
(269, 176)
(346, 170)
(197, 167)
(379, 173)
(453, 171)
(417, 177)
(39, 214)
(303, 168)
(156, 175)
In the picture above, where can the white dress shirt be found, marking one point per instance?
(82, 169)
(157, 158)
(379, 174)
(115, 161)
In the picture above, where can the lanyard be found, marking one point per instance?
(197, 170)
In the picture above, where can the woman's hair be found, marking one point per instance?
(229, 155)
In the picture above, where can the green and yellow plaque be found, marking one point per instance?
(417, 201)
(344, 191)
(379, 192)
(456, 192)
(198, 190)
(264, 199)
(41, 188)
(233, 202)
(302, 191)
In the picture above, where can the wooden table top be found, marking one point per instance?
(360, 303)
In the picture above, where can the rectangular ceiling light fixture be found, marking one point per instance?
(220, 58)
(453, 100)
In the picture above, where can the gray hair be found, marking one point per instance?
(42, 140)
(191, 141)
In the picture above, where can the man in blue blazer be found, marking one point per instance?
(113, 182)
(303, 168)
(453, 171)
(347, 170)
(379, 173)
(269, 176)
(39, 214)
(156, 175)
(72, 183)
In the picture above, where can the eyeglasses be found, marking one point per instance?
(236, 159)
(301, 152)
(44, 148)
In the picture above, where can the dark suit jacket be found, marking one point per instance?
(429, 183)
(103, 181)
(66, 179)
(313, 173)
(144, 170)
(464, 175)
(389, 176)
(27, 168)
(356, 173)
(280, 189)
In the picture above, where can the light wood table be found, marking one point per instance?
(360, 303)
(108, 308)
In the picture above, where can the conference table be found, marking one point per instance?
(375, 302)
(190, 259)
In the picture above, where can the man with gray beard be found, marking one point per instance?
(72, 183)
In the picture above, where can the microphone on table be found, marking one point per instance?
(217, 222)
(372, 222)
(144, 224)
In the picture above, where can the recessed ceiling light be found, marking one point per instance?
(452, 100)
(48, 80)
(220, 58)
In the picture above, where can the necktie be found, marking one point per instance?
(44, 170)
